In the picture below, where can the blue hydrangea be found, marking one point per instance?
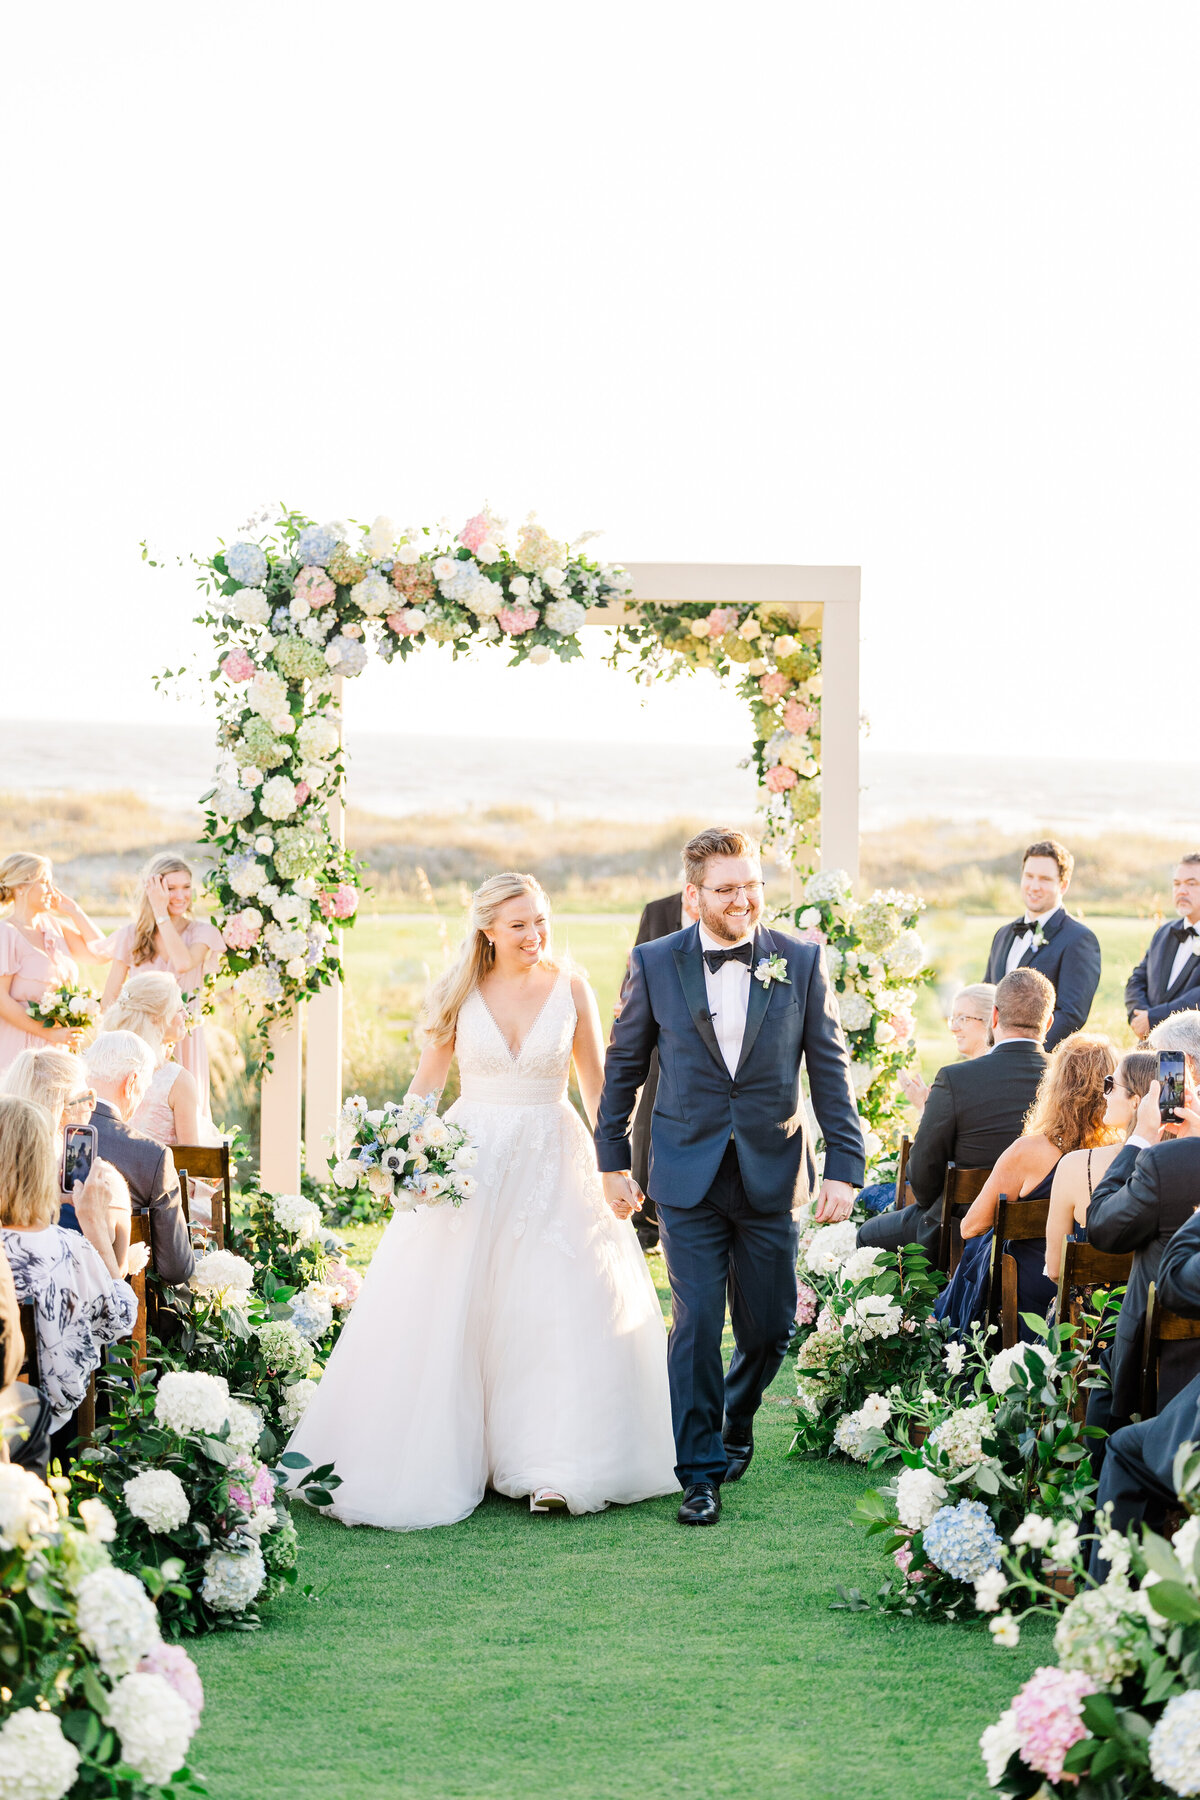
(247, 563)
(962, 1541)
(316, 544)
(281, 621)
(353, 658)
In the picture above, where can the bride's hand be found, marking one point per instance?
(623, 1194)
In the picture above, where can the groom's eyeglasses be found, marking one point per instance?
(752, 890)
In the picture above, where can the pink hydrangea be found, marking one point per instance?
(475, 531)
(515, 619)
(345, 1281)
(902, 1558)
(721, 619)
(178, 1671)
(798, 717)
(302, 792)
(345, 901)
(1046, 1714)
(807, 1304)
(773, 685)
(314, 586)
(240, 1497)
(241, 933)
(263, 1487)
(779, 778)
(237, 666)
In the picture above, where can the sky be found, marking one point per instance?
(910, 288)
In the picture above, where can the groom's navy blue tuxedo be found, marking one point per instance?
(729, 1160)
(1070, 961)
(1150, 988)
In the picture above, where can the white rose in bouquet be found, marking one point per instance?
(380, 1183)
(347, 1172)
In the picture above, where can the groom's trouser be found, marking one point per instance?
(718, 1249)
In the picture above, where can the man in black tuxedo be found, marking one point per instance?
(659, 919)
(975, 1110)
(1167, 980)
(1048, 939)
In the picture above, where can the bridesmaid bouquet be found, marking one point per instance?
(403, 1153)
(70, 1005)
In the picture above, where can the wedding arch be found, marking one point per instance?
(299, 608)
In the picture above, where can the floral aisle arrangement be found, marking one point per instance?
(865, 1334)
(71, 1005)
(298, 1265)
(876, 960)
(403, 1154)
(998, 1443)
(179, 1463)
(93, 1701)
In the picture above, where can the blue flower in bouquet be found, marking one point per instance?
(316, 544)
(962, 1541)
(247, 563)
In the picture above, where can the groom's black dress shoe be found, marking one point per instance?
(739, 1450)
(701, 1504)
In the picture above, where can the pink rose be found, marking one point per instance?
(779, 778)
(515, 619)
(352, 631)
(314, 586)
(302, 792)
(772, 685)
(474, 532)
(237, 666)
(402, 622)
(345, 901)
(178, 1671)
(902, 1024)
(797, 717)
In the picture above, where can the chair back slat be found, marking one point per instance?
(1083, 1269)
(902, 1170)
(139, 1233)
(208, 1162)
(1017, 1221)
(960, 1188)
(1161, 1327)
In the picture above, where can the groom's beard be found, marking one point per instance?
(729, 928)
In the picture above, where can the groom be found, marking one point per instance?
(732, 1010)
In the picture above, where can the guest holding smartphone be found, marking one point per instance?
(39, 942)
(165, 938)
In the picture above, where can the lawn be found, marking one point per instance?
(614, 1656)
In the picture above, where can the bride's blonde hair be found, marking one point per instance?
(477, 956)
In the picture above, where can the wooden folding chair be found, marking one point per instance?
(139, 1233)
(208, 1162)
(960, 1188)
(902, 1172)
(1084, 1268)
(1162, 1327)
(1017, 1221)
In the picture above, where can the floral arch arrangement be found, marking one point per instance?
(294, 608)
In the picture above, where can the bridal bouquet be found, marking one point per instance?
(403, 1153)
(70, 1005)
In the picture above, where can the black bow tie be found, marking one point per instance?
(1021, 926)
(743, 953)
(1184, 932)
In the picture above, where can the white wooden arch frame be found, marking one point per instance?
(825, 597)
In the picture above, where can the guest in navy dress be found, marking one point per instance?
(1081, 1171)
(1067, 1115)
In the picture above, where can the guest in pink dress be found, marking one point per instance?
(39, 941)
(164, 938)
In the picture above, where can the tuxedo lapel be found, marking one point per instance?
(1049, 929)
(690, 965)
(1185, 975)
(760, 999)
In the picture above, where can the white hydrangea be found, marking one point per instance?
(318, 736)
(250, 605)
(159, 1498)
(245, 1426)
(1097, 1634)
(848, 1436)
(248, 879)
(1000, 1369)
(294, 1214)
(1175, 1744)
(296, 1402)
(830, 1247)
(960, 1437)
(874, 1316)
(565, 616)
(862, 1075)
(861, 1265)
(1186, 1540)
(284, 943)
(117, 1620)
(98, 1521)
(828, 887)
(278, 797)
(267, 695)
(223, 1278)
(854, 1010)
(232, 802)
(154, 1724)
(998, 1745)
(188, 1401)
(284, 1349)
(906, 957)
(36, 1761)
(232, 1578)
(919, 1497)
(27, 1509)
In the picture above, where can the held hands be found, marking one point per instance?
(623, 1194)
(834, 1203)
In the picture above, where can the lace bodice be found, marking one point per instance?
(489, 1071)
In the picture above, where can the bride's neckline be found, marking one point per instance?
(517, 1055)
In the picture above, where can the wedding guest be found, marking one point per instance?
(1137, 1477)
(1068, 1114)
(165, 937)
(1080, 1171)
(1167, 980)
(25, 1413)
(1048, 939)
(970, 1025)
(70, 1277)
(659, 919)
(974, 1111)
(120, 1069)
(39, 942)
(151, 1006)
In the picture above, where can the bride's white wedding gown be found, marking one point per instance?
(516, 1342)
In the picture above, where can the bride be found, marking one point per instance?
(516, 1342)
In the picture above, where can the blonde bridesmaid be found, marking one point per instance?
(39, 941)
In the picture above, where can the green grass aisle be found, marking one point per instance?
(520, 1658)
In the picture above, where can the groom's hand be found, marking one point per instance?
(623, 1194)
(836, 1202)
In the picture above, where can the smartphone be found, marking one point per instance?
(1170, 1085)
(79, 1153)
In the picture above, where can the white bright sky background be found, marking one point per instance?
(911, 287)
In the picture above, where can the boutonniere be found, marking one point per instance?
(772, 968)
(1038, 938)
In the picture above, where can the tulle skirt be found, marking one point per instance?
(516, 1342)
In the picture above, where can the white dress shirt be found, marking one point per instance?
(1020, 945)
(728, 991)
(1189, 948)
